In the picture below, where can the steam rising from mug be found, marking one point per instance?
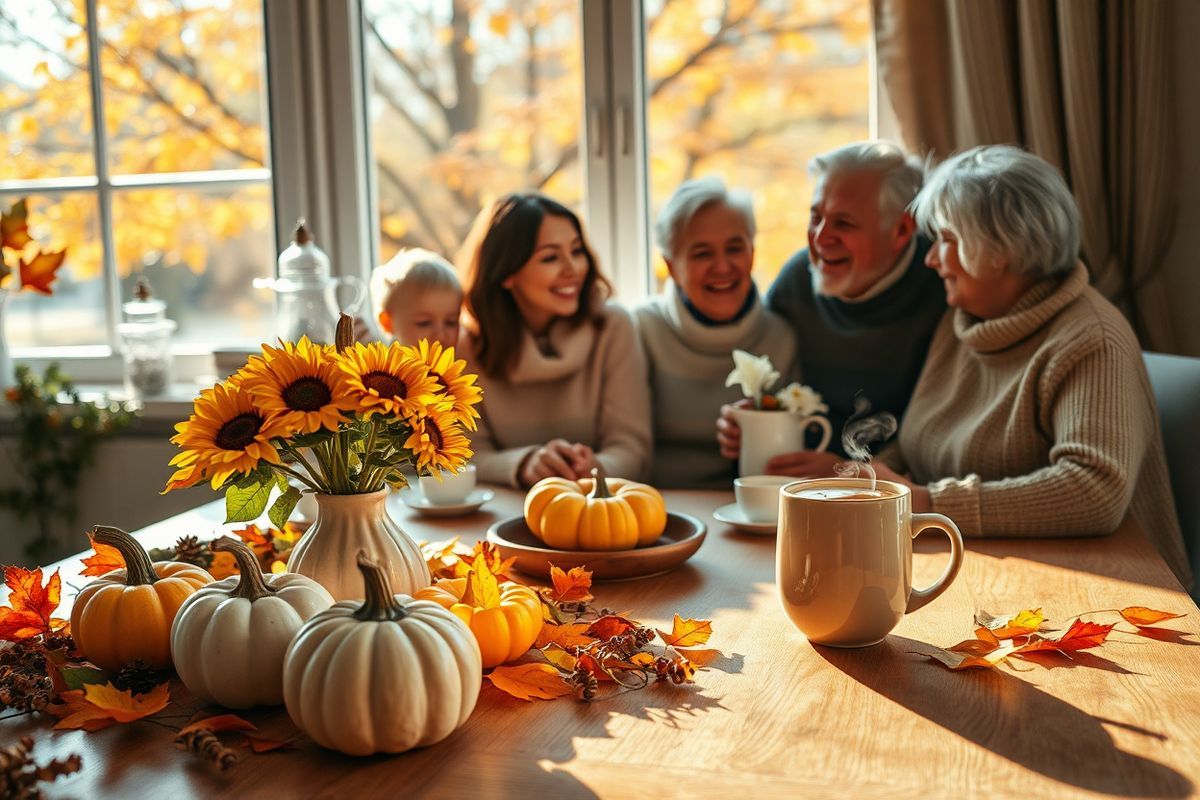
(860, 430)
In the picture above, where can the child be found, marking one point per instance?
(417, 296)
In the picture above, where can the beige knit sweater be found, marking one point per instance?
(1042, 423)
(593, 390)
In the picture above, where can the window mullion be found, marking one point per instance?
(595, 138)
(629, 180)
(112, 287)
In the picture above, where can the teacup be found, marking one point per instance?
(452, 488)
(758, 496)
(843, 564)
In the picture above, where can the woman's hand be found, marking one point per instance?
(805, 464)
(921, 500)
(557, 457)
(729, 433)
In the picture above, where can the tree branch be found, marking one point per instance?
(414, 200)
(385, 92)
(429, 92)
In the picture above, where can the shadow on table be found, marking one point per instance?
(1009, 717)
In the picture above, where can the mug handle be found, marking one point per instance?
(923, 522)
(826, 431)
(360, 292)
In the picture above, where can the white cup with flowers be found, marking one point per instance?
(777, 423)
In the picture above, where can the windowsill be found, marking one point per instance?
(157, 417)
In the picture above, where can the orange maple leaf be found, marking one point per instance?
(219, 724)
(30, 604)
(568, 635)
(261, 744)
(1022, 623)
(39, 272)
(106, 559)
(1080, 636)
(609, 626)
(529, 681)
(571, 585)
(973, 653)
(97, 706)
(1142, 616)
(14, 231)
(223, 565)
(687, 632)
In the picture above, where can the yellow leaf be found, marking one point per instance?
(529, 681)
(482, 591)
(644, 660)
(1022, 623)
(98, 706)
(687, 632)
(565, 635)
(559, 657)
(573, 585)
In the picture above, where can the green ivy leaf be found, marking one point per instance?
(247, 504)
(78, 677)
(282, 508)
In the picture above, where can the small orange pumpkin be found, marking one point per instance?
(597, 513)
(127, 614)
(506, 619)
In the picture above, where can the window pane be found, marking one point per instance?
(467, 100)
(184, 84)
(200, 249)
(74, 314)
(45, 95)
(749, 91)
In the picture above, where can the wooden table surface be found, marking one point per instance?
(777, 717)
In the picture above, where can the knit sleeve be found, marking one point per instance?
(1096, 412)
(495, 465)
(624, 411)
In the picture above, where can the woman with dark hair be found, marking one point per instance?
(563, 375)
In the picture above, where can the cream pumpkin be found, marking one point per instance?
(229, 638)
(127, 614)
(597, 513)
(381, 675)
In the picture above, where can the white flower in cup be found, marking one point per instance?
(801, 400)
(754, 373)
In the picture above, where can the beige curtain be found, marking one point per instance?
(1082, 83)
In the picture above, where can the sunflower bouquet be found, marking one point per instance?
(344, 419)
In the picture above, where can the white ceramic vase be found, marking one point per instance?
(766, 434)
(347, 523)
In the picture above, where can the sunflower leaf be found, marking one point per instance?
(282, 508)
(310, 439)
(247, 504)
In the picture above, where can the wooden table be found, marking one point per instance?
(777, 717)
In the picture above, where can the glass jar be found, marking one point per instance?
(146, 344)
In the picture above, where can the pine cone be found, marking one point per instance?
(138, 678)
(24, 683)
(19, 774)
(583, 683)
(189, 549)
(206, 743)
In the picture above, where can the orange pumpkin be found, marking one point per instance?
(506, 620)
(127, 614)
(597, 513)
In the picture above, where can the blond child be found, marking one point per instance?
(417, 296)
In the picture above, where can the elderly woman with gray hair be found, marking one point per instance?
(709, 308)
(1033, 415)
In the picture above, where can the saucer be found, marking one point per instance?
(731, 514)
(417, 502)
(681, 539)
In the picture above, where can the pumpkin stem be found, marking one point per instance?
(139, 569)
(380, 604)
(251, 585)
(601, 487)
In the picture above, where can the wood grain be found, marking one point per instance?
(776, 716)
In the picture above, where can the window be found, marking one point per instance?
(137, 130)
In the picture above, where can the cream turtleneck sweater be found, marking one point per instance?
(1042, 423)
(688, 363)
(591, 390)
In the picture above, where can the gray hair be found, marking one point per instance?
(1001, 201)
(902, 174)
(411, 270)
(689, 199)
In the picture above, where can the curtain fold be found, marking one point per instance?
(1082, 83)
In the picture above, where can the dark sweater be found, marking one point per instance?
(876, 347)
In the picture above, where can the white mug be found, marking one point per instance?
(451, 489)
(758, 496)
(766, 434)
(843, 560)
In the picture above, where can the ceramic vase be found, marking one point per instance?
(766, 434)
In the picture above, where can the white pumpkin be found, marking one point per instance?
(229, 639)
(347, 523)
(382, 675)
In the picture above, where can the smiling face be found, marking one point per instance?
(849, 245)
(548, 285)
(712, 262)
(424, 314)
(989, 294)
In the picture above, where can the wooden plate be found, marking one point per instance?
(681, 539)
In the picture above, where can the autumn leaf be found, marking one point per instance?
(573, 585)
(529, 681)
(1022, 623)
(76, 713)
(498, 565)
(39, 272)
(481, 591)
(571, 635)
(589, 662)
(1080, 636)
(30, 604)
(223, 565)
(559, 657)
(609, 626)
(14, 231)
(261, 744)
(703, 657)
(1142, 616)
(219, 724)
(687, 632)
(644, 660)
(97, 706)
(106, 559)
(973, 653)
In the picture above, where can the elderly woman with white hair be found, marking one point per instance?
(1033, 415)
(709, 308)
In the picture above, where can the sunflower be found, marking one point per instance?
(438, 442)
(225, 435)
(388, 380)
(301, 385)
(451, 381)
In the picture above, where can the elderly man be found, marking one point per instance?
(859, 298)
